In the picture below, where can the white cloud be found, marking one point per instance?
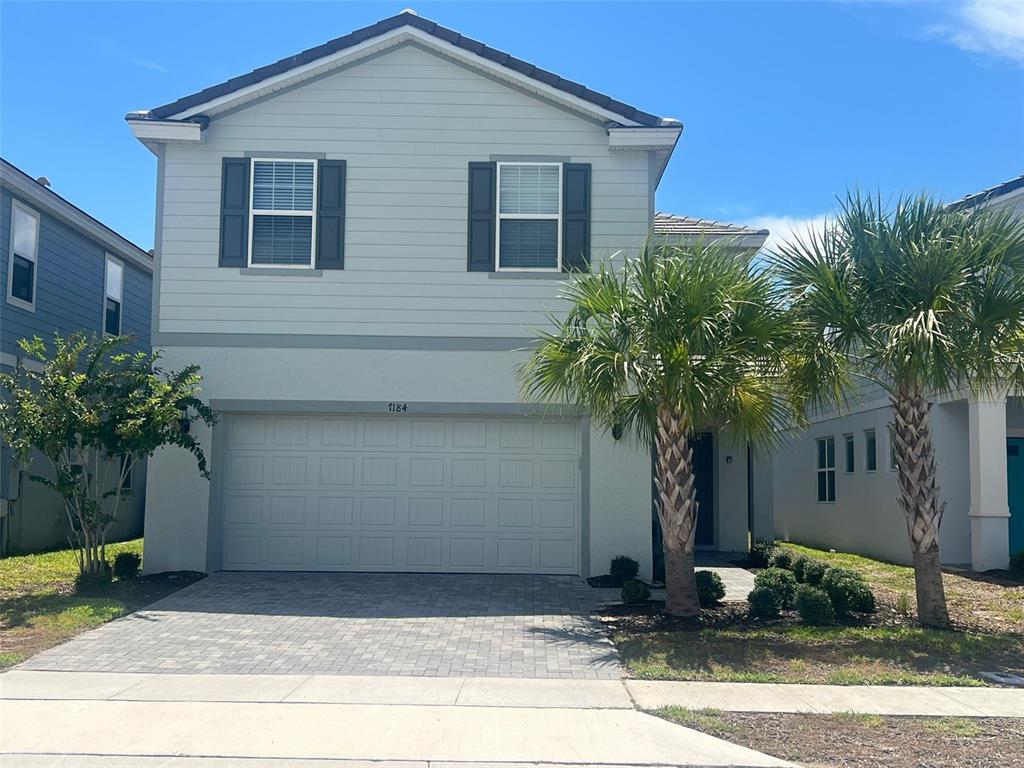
(151, 65)
(787, 228)
(991, 27)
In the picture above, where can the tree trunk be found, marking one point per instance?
(680, 585)
(677, 511)
(919, 500)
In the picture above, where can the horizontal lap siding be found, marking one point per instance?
(69, 287)
(407, 123)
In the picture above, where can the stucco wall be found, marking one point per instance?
(866, 517)
(179, 506)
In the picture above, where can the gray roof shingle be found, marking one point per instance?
(673, 224)
(405, 18)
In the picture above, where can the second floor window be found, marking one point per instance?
(113, 291)
(529, 216)
(21, 281)
(282, 213)
(826, 469)
(850, 460)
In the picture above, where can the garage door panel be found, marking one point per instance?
(428, 494)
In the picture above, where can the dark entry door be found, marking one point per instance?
(1015, 481)
(704, 469)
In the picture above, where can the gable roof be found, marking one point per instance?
(35, 194)
(189, 105)
(673, 224)
(999, 190)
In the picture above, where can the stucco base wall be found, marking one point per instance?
(731, 504)
(181, 511)
(866, 517)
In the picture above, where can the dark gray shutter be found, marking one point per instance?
(576, 217)
(330, 215)
(482, 216)
(234, 212)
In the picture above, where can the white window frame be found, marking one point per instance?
(825, 469)
(557, 216)
(28, 306)
(106, 295)
(850, 452)
(253, 212)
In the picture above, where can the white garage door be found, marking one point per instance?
(401, 493)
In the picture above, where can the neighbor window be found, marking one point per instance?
(114, 290)
(21, 276)
(892, 451)
(849, 456)
(529, 216)
(870, 451)
(827, 469)
(282, 216)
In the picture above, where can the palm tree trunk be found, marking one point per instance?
(919, 500)
(677, 510)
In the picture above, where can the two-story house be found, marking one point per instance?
(357, 244)
(64, 271)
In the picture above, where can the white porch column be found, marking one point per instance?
(990, 510)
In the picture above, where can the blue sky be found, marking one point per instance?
(784, 104)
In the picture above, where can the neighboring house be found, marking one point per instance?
(686, 230)
(64, 271)
(835, 485)
(358, 244)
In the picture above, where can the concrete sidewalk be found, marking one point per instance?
(57, 719)
(512, 692)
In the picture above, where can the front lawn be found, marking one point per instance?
(864, 741)
(787, 653)
(983, 601)
(39, 607)
(884, 648)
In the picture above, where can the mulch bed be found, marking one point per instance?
(844, 741)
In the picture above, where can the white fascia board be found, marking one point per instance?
(392, 39)
(166, 131)
(644, 138)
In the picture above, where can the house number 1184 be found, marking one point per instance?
(398, 407)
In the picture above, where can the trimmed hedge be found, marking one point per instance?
(781, 582)
(623, 569)
(848, 592)
(710, 588)
(635, 591)
(781, 558)
(764, 603)
(814, 606)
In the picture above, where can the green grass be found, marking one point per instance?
(706, 720)
(953, 726)
(898, 578)
(50, 570)
(39, 607)
(831, 655)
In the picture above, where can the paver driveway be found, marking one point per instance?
(367, 624)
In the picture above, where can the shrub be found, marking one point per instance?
(781, 558)
(779, 581)
(93, 582)
(847, 591)
(635, 591)
(623, 569)
(127, 565)
(764, 603)
(814, 606)
(710, 588)
(761, 553)
(797, 567)
(903, 603)
(814, 570)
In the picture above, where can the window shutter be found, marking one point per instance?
(330, 215)
(482, 216)
(234, 212)
(576, 217)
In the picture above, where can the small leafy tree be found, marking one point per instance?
(686, 339)
(93, 410)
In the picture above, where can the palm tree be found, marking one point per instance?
(921, 300)
(684, 340)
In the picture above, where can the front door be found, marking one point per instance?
(1015, 494)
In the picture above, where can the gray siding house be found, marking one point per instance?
(358, 244)
(835, 485)
(63, 271)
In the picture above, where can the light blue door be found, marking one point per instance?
(1015, 480)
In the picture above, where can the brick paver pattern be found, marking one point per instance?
(463, 625)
